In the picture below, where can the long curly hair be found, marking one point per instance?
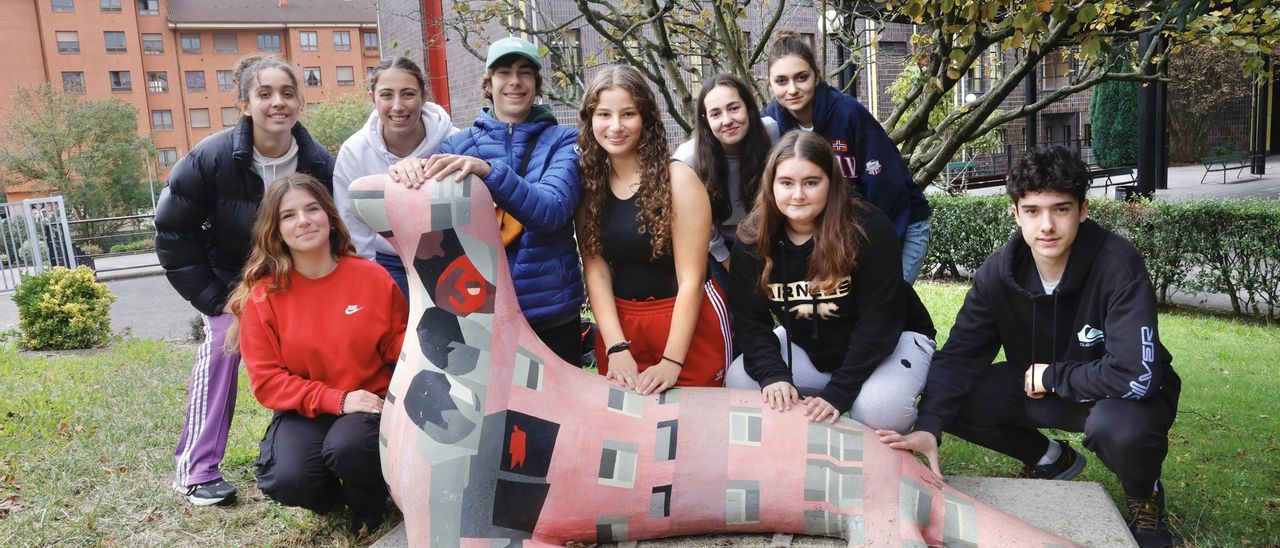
(710, 155)
(270, 260)
(654, 195)
(839, 233)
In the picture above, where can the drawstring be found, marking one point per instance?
(786, 307)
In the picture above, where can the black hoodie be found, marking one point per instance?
(1098, 331)
(846, 332)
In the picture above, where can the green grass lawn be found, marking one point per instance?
(86, 443)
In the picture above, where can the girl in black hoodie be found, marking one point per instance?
(827, 265)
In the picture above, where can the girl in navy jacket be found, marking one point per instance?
(867, 157)
(203, 223)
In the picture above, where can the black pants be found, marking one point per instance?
(564, 339)
(323, 463)
(1131, 437)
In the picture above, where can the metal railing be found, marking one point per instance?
(34, 236)
(988, 169)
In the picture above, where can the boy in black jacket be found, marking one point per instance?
(1073, 307)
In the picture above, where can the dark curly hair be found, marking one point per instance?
(654, 196)
(1055, 168)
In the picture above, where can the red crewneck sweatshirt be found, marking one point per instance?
(307, 346)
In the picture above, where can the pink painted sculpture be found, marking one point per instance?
(488, 436)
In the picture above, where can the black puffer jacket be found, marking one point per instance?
(205, 216)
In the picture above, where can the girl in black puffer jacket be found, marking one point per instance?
(203, 223)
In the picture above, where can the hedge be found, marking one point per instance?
(1203, 246)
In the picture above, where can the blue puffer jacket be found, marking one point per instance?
(866, 154)
(544, 260)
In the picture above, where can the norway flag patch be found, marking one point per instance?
(839, 145)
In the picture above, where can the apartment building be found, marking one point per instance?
(172, 59)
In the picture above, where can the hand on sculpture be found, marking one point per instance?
(361, 401)
(622, 369)
(818, 410)
(409, 172)
(780, 396)
(1033, 381)
(657, 378)
(441, 165)
(919, 442)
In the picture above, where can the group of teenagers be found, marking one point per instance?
(775, 251)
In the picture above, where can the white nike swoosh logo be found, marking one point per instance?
(352, 309)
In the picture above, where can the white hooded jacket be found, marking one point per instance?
(365, 153)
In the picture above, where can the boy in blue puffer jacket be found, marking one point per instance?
(531, 167)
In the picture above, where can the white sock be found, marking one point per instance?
(1051, 455)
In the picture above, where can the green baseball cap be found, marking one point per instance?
(513, 45)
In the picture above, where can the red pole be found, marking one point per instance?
(437, 61)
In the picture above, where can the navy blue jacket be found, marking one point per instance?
(205, 216)
(867, 156)
(544, 260)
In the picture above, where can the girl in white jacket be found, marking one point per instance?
(403, 125)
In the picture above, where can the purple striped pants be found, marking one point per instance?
(211, 400)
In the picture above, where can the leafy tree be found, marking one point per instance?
(332, 122)
(1113, 114)
(1202, 80)
(87, 149)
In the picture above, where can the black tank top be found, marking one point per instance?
(629, 254)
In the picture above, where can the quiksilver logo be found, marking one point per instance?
(1090, 336)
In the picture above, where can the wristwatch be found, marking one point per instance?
(617, 347)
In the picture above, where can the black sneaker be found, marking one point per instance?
(1147, 521)
(1069, 465)
(209, 493)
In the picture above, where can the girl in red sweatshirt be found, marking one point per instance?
(320, 329)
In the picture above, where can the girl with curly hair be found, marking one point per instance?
(643, 229)
(319, 328)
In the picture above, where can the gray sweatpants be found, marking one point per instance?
(888, 397)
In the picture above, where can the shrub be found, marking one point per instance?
(137, 245)
(91, 249)
(61, 309)
(1210, 246)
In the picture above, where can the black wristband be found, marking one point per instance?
(681, 364)
(618, 347)
(342, 405)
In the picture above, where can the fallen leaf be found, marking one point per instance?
(1240, 451)
(10, 502)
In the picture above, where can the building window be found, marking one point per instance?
(109, 5)
(826, 482)
(68, 41)
(341, 40)
(230, 116)
(346, 76)
(666, 448)
(988, 68)
(830, 524)
(148, 7)
(1057, 70)
(744, 425)
(624, 401)
(120, 80)
(195, 80)
(73, 82)
(611, 529)
(368, 74)
(567, 49)
(660, 502)
(157, 82)
(961, 524)
(308, 40)
(528, 371)
(190, 43)
(311, 76)
(224, 42)
(670, 396)
(838, 444)
(114, 41)
(226, 80)
(269, 43)
(64, 6)
(199, 117)
(915, 503)
(152, 43)
(166, 157)
(370, 42)
(618, 464)
(742, 502)
(161, 120)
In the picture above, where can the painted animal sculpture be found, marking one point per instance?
(488, 439)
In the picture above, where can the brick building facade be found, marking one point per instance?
(172, 59)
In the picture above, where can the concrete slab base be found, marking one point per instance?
(1079, 510)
